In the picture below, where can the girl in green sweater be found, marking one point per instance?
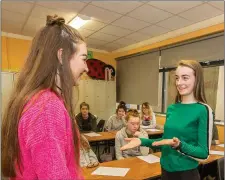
(188, 127)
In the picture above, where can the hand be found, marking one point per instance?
(137, 133)
(95, 164)
(132, 142)
(171, 142)
(91, 165)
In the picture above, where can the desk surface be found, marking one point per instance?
(155, 132)
(214, 157)
(104, 136)
(139, 169)
(111, 135)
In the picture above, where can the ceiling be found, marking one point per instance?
(113, 24)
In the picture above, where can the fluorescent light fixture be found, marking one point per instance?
(77, 22)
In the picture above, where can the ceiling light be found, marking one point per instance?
(77, 22)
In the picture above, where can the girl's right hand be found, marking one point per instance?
(132, 142)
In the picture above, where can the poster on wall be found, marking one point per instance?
(100, 71)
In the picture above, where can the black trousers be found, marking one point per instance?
(181, 175)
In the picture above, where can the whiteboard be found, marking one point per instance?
(220, 96)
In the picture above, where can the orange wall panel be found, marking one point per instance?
(17, 50)
(5, 64)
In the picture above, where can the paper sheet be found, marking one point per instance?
(217, 152)
(220, 145)
(149, 158)
(92, 134)
(152, 130)
(111, 171)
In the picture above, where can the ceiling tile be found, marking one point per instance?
(34, 24)
(138, 36)
(174, 22)
(104, 37)
(218, 4)
(114, 30)
(154, 30)
(24, 7)
(111, 46)
(29, 32)
(42, 12)
(13, 17)
(10, 27)
(93, 25)
(95, 41)
(100, 14)
(85, 32)
(200, 13)
(121, 7)
(149, 14)
(71, 6)
(125, 41)
(175, 7)
(130, 23)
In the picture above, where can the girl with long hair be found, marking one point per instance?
(188, 129)
(40, 139)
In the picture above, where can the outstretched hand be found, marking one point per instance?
(132, 142)
(171, 142)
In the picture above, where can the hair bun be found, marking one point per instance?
(52, 20)
(122, 103)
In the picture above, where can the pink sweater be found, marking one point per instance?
(46, 141)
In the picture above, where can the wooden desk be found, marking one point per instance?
(152, 133)
(214, 157)
(105, 136)
(139, 169)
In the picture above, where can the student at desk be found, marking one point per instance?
(132, 129)
(215, 135)
(85, 120)
(188, 128)
(116, 122)
(87, 156)
(147, 115)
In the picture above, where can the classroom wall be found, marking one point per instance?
(15, 51)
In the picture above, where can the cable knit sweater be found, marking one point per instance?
(46, 141)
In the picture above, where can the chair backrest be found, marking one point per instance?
(100, 125)
(220, 167)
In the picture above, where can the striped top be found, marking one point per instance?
(46, 140)
(192, 124)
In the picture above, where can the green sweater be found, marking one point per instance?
(192, 124)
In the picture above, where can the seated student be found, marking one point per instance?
(87, 156)
(215, 135)
(85, 120)
(147, 115)
(132, 129)
(117, 121)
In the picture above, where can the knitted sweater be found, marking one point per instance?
(46, 141)
(115, 124)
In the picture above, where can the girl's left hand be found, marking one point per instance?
(171, 142)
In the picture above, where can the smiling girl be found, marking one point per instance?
(188, 128)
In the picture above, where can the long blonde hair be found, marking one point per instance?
(147, 105)
(199, 90)
(39, 72)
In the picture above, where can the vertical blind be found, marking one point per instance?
(207, 49)
(137, 79)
